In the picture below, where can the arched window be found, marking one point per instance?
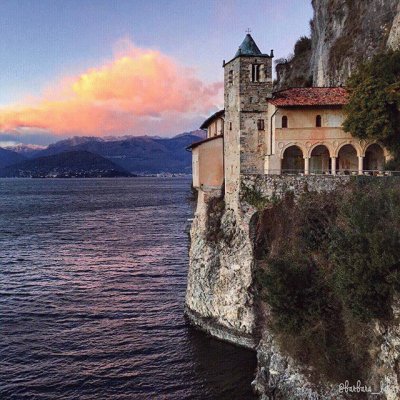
(318, 121)
(284, 122)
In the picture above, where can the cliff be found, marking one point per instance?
(224, 297)
(219, 296)
(343, 33)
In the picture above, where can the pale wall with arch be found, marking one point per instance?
(303, 132)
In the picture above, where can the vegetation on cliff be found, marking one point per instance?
(294, 69)
(329, 265)
(373, 111)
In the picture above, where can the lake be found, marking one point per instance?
(92, 286)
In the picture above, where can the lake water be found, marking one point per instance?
(92, 286)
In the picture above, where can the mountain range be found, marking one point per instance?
(132, 154)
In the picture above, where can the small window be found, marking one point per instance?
(260, 124)
(230, 77)
(284, 122)
(230, 126)
(250, 100)
(318, 121)
(255, 73)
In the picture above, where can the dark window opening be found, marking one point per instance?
(230, 77)
(318, 121)
(284, 122)
(255, 73)
(260, 124)
(230, 126)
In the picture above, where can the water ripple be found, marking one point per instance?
(92, 284)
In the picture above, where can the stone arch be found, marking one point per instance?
(355, 145)
(292, 160)
(374, 157)
(290, 144)
(320, 159)
(327, 145)
(347, 158)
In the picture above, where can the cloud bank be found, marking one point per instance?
(139, 91)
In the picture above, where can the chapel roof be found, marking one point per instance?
(196, 144)
(248, 47)
(310, 97)
(209, 120)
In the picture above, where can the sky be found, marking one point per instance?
(118, 67)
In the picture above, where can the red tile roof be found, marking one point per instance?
(312, 96)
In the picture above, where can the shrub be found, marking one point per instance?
(302, 45)
(254, 197)
(293, 291)
(215, 211)
(331, 264)
(365, 249)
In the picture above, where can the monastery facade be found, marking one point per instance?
(293, 131)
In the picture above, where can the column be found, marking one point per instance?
(333, 165)
(360, 165)
(306, 165)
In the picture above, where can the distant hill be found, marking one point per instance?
(136, 154)
(66, 164)
(8, 157)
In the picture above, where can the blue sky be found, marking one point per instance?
(45, 41)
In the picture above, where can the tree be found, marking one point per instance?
(374, 103)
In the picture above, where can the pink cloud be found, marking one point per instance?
(138, 91)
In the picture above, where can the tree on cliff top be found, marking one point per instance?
(374, 103)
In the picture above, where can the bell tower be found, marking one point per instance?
(247, 88)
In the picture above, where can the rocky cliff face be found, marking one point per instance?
(343, 33)
(219, 295)
(346, 32)
(222, 298)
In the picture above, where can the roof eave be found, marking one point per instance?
(208, 121)
(249, 55)
(196, 144)
(308, 105)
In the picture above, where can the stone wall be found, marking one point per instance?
(275, 186)
(245, 103)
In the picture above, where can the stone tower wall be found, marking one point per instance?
(245, 103)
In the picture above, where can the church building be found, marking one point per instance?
(292, 131)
